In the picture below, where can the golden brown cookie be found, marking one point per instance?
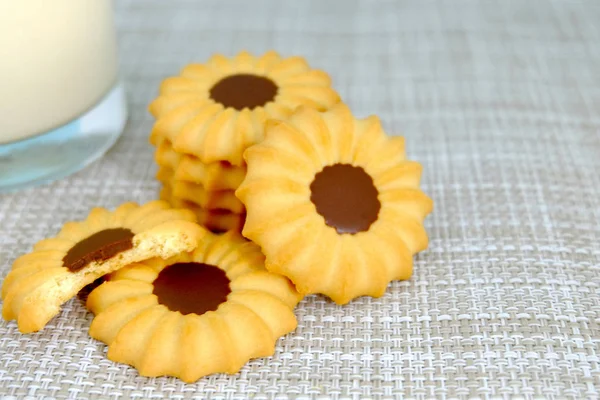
(195, 193)
(217, 221)
(196, 313)
(334, 204)
(165, 176)
(59, 267)
(214, 111)
(213, 176)
(166, 157)
(208, 200)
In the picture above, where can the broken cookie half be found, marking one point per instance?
(59, 267)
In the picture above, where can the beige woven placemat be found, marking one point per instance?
(500, 100)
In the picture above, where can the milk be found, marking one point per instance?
(57, 61)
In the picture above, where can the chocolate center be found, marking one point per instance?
(346, 197)
(98, 247)
(191, 288)
(244, 91)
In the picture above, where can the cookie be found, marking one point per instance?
(59, 267)
(216, 221)
(208, 200)
(195, 314)
(196, 193)
(166, 157)
(213, 176)
(214, 111)
(334, 204)
(165, 175)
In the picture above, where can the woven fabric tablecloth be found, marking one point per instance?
(500, 102)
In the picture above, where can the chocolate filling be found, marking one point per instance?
(346, 197)
(191, 288)
(99, 247)
(244, 91)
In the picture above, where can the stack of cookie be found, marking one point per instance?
(211, 113)
(206, 189)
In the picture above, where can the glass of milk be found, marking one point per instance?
(61, 104)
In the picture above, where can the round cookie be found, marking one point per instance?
(59, 267)
(165, 156)
(165, 176)
(214, 111)
(212, 176)
(216, 221)
(334, 204)
(196, 313)
(209, 200)
(196, 193)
